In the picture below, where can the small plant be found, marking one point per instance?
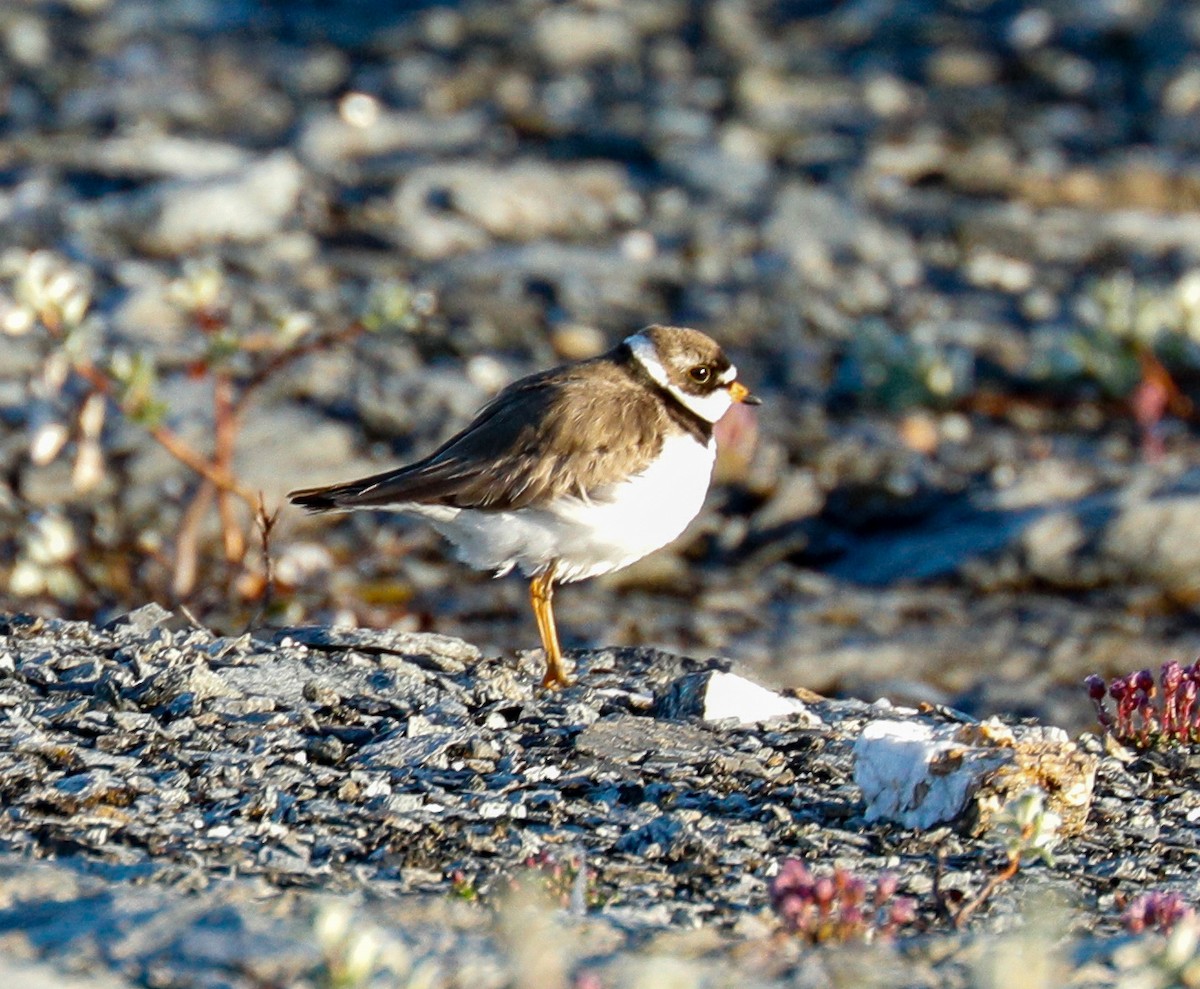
(462, 887)
(1147, 714)
(1169, 961)
(87, 378)
(564, 882)
(1132, 340)
(894, 371)
(1164, 316)
(1157, 910)
(838, 907)
(569, 882)
(1028, 830)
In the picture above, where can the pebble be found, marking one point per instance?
(248, 205)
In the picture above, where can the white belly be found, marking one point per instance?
(613, 528)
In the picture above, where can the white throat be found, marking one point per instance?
(709, 407)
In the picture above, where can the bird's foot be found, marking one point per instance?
(556, 680)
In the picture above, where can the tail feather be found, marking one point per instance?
(389, 489)
(318, 499)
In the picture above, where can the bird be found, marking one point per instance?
(571, 472)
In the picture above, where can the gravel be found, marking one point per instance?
(200, 810)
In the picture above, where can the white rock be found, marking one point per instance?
(246, 205)
(910, 775)
(715, 695)
(919, 774)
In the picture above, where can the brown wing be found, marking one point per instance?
(555, 433)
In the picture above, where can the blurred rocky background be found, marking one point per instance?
(247, 246)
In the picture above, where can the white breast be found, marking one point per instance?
(614, 527)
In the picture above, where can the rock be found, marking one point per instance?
(955, 534)
(810, 225)
(450, 209)
(715, 695)
(797, 497)
(167, 685)
(1126, 539)
(569, 37)
(28, 975)
(740, 178)
(632, 740)
(141, 620)
(918, 774)
(427, 649)
(1153, 542)
(283, 447)
(151, 153)
(248, 205)
(328, 140)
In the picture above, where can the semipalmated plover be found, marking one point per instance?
(570, 473)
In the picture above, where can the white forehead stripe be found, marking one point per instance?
(709, 407)
(729, 375)
(645, 354)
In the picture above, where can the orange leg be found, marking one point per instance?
(541, 596)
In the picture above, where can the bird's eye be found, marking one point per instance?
(700, 374)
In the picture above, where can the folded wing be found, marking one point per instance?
(549, 435)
